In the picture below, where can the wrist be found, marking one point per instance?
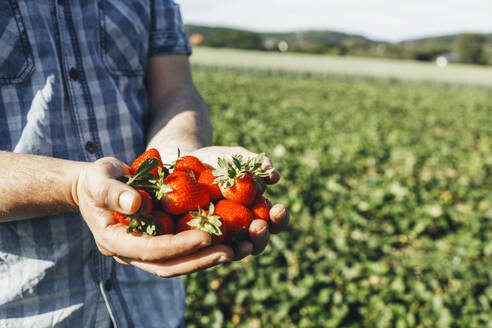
(73, 173)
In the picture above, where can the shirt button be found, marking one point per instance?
(107, 285)
(74, 74)
(89, 146)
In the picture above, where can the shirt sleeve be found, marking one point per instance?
(167, 35)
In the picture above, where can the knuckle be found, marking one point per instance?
(152, 249)
(109, 165)
(166, 273)
(241, 150)
(151, 252)
(102, 193)
(119, 260)
(104, 251)
(146, 257)
(106, 161)
(104, 240)
(103, 163)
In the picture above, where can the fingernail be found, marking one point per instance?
(277, 211)
(224, 259)
(126, 201)
(262, 230)
(207, 242)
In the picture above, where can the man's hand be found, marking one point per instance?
(259, 230)
(179, 118)
(97, 192)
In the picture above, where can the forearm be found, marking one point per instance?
(180, 120)
(33, 186)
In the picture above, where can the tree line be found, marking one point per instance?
(470, 48)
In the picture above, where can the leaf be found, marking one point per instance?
(143, 171)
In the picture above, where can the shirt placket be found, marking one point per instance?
(80, 104)
(75, 82)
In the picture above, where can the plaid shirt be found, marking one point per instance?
(72, 86)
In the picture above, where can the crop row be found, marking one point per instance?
(389, 186)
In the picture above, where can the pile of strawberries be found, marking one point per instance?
(187, 195)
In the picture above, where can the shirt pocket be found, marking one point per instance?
(124, 35)
(16, 61)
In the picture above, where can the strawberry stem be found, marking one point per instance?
(143, 185)
(206, 221)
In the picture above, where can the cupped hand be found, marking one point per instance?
(259, 230)
(98, 192)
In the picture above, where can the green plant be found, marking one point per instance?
(389, 186)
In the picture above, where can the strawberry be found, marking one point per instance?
(121, 218)
(148, 172)
(146, 201)
(190, 163)
(164, 222)
(241, 180)
(234, 216)
(184, 193)
(134, 221)
(261, 208)
(203, 220)
(206, 179)
(182, 223)
(243, 190)
(149, 154)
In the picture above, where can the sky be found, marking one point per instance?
(388, 20)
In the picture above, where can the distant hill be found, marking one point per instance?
(445, 40)
(325, 37)
(204, 30)
(331, 42)
(318, 36)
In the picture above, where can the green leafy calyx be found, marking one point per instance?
(238, 168)
(204, 221)
(149, 182)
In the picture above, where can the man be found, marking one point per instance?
(85, 86)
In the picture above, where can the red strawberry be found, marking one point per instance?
(190, 163)
(121, 218)
(146, 201)
(165, 223)
(261, 208)
(182, 223)
(145, 208)
(149, 154)
(241, 180)
(184, 193)
(203, 220)
(234, 216)
(243, 190)
(207, 181)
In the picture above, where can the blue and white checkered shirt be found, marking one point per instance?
(72, 86)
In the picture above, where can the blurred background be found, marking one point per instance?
(378, 114)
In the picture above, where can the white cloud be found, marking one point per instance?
(380, 19)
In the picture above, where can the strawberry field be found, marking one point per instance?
(389, 187)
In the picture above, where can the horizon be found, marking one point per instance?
(380, 20)
(336, 31)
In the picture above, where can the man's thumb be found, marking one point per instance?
(116, 196)
(129, 202)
